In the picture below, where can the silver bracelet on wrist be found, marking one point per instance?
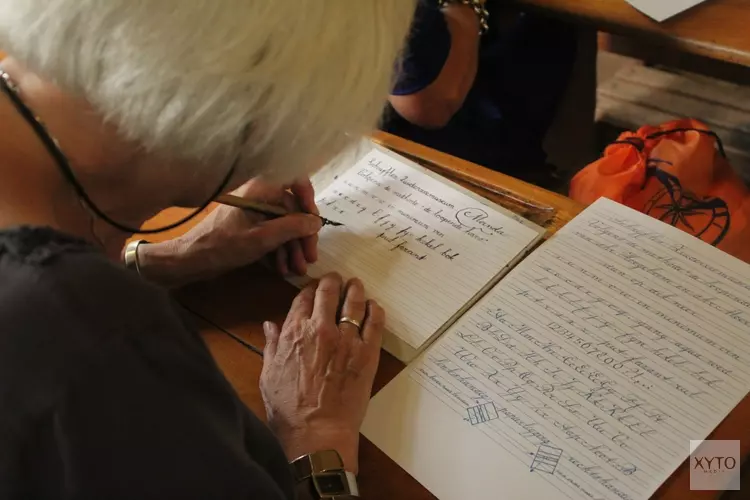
(131, 255)
(479, 9)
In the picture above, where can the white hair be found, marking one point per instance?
(185, 77)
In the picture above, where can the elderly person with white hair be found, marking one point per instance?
(112, 110)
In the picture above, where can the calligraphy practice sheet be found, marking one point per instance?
(584, 373)
(423, 247)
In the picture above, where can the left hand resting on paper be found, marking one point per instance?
(229, 238)
(318, 372)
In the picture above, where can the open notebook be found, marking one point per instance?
(584, 373)
(425, 247)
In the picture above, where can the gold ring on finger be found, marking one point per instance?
(351, 321)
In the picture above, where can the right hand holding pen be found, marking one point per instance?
(318, 373)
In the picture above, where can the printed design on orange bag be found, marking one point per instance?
(707, 218)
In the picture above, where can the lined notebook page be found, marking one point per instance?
(421, 246)
(584, 373)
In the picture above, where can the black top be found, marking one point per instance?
(107, 392)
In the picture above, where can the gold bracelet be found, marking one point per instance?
(131, 255)
(479, 9)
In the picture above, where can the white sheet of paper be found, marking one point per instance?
(420, 245)
(661, 10)
(584, 373)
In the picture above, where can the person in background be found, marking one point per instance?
(111, 111)
(488, 98)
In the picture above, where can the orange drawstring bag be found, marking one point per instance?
(677, 173)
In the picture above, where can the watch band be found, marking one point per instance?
(131, 255)
(324, 470)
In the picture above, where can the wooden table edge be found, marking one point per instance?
(624, 19)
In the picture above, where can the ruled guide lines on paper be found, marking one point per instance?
(546, 459)
(604, 352)
(422, 248)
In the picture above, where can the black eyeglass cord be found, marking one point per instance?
(53, 148)
(639, 144)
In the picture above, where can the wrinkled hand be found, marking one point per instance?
(318, 374)
(230, 237)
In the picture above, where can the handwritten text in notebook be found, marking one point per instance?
(422, 248)
(596, 360)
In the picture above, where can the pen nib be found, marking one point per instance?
(329, 222)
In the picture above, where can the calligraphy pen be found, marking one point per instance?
(263, 208)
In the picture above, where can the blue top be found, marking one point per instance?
(522, 74)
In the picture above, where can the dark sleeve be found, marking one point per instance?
(152, 420)
(426, 51)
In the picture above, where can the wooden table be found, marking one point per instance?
(228, 306)
(717, 28)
